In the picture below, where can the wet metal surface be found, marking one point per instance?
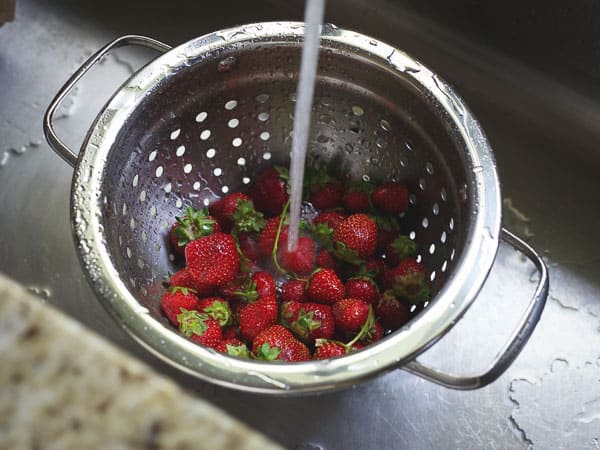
(549, 398)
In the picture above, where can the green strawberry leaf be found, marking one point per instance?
(193, 225)
(346, 254)
(183, 290)
(412, 287)
(240, 351)
(387, 223)
(305, 323)
(192, 322)
(323, 234)
(267, 353)
(220, 312)
(247, 219)
(360, 186)
(404, 246)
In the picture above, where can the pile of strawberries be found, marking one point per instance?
(351, 279)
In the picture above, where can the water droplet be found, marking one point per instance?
(227, 64)
(4, 156)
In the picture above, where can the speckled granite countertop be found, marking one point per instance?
(62, 387)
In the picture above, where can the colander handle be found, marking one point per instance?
(517, 340)
(55, 142)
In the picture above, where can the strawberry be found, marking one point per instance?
(294, 290)
(278, 343)
(261, 284)
(224, 208)
(269, 193)
(267, 238)
(390, 197)
(321, 189)
(183, 278)
(324, 286)
(233, 347)
(392, 312)
(330, 218)
(257, 316)
(248, 246)
(363, 288)
(329, 349)
(288, 312)
(356, 197)
(176, 299)
(350, 314)
(325, 259)
(193, 225)
(217, 308)
(313, 321)
(401, 247)
(265, 285)
(409, 280)
(200, 328)
(301, 261)
(236, 213)
(213, 259)
(327, 196)
(355, 239)
(230, 332)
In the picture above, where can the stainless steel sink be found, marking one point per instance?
(543, 128)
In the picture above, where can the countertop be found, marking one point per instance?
(58, 391)
(544, 139)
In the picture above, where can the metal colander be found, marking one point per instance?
(206, 117)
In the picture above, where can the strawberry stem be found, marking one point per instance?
(364, 329)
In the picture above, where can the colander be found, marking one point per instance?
(204, 118)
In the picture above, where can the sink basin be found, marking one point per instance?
(542, 125)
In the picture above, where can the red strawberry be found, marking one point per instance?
(328, 349)
(331, 218)
(230, 333)
(355, 238)
(356, 197)
(193, 225)
(327, 196)
(350, 314)
(265, 285)
(390, 197)
(249, 246)
(374, 268)
(200, 328)
(175, 299)
(401, 247)
(269, 193)
(217, 308)
(325, 287)
(294, 290)
(278, 343)
(325, 259)
(313, 321)
(257, 316)
(409, 280)
(236, 213)
(363, 288)
(213, 259)
(183, 278)
(392, 312)
(385, 238)
(233, 347)
(269, 234)
(261, 284)
(301, 261)
(288, 312)
(224, 208)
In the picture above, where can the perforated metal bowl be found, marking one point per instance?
(204, 118)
